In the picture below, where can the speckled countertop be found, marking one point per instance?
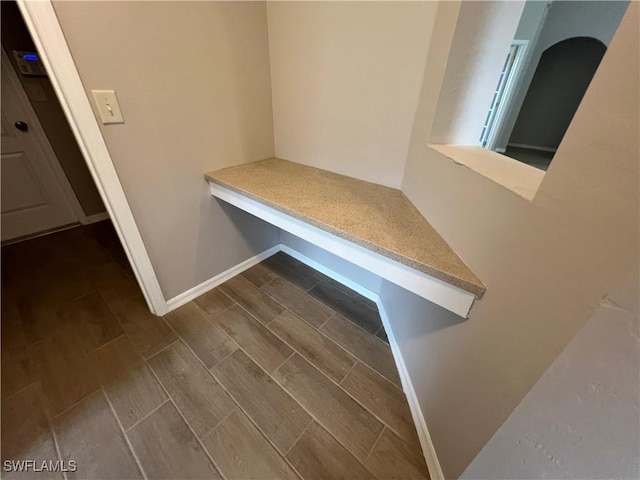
(373, 216)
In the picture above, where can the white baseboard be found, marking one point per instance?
(435, 471)
(428, 449)
(97, 217)
(501, 150)
(532, 147)
(204, 287)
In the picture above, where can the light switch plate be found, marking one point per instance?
(108, 107)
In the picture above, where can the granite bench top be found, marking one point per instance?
(373, 216)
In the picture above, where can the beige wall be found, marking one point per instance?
(192, 79)
(346, 78)
(15, 36)
(472, 62)
(546, 263)
(352, 84)
(580, 420)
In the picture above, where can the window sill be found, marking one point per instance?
(522, 179)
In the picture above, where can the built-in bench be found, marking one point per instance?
(370, 225)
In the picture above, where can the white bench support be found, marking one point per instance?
(447, 296)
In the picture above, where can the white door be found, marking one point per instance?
(34, 196)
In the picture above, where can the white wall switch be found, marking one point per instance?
(108, 107)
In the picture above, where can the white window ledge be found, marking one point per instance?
(522, 179)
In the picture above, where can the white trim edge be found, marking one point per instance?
(42, 22)
(441, 293)
(213, 282)
(513, 81)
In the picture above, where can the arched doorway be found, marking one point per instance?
(558, 85)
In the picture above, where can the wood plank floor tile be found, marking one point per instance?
(167, 449)
(346, 290)
(313, 346)
(198, 331)
(307, 308)
(351, 293)
(341, 415)
(120, 257)
(214, 302)
(200, 399)
(104, 234)
(93, 255)
(38, 319)
(239, 398)
(55, 286)
(26, 433)
(259, 275)
(263, 347)
(241, 452)
(317, 455)
(63, 369)
(148, 333)
(16, 261)
(18, 370)
(292, 270)
(89, 434)
(277, 414)
(252, 299)
(365, 347)
(393, 459)
(111, 282)
(86, 247)
(352, 308)
(131, 387)
(382, 398)
(92, 321)
(11, 323)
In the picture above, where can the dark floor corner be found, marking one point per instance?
(280, 372)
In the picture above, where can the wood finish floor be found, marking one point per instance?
(280, 373)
